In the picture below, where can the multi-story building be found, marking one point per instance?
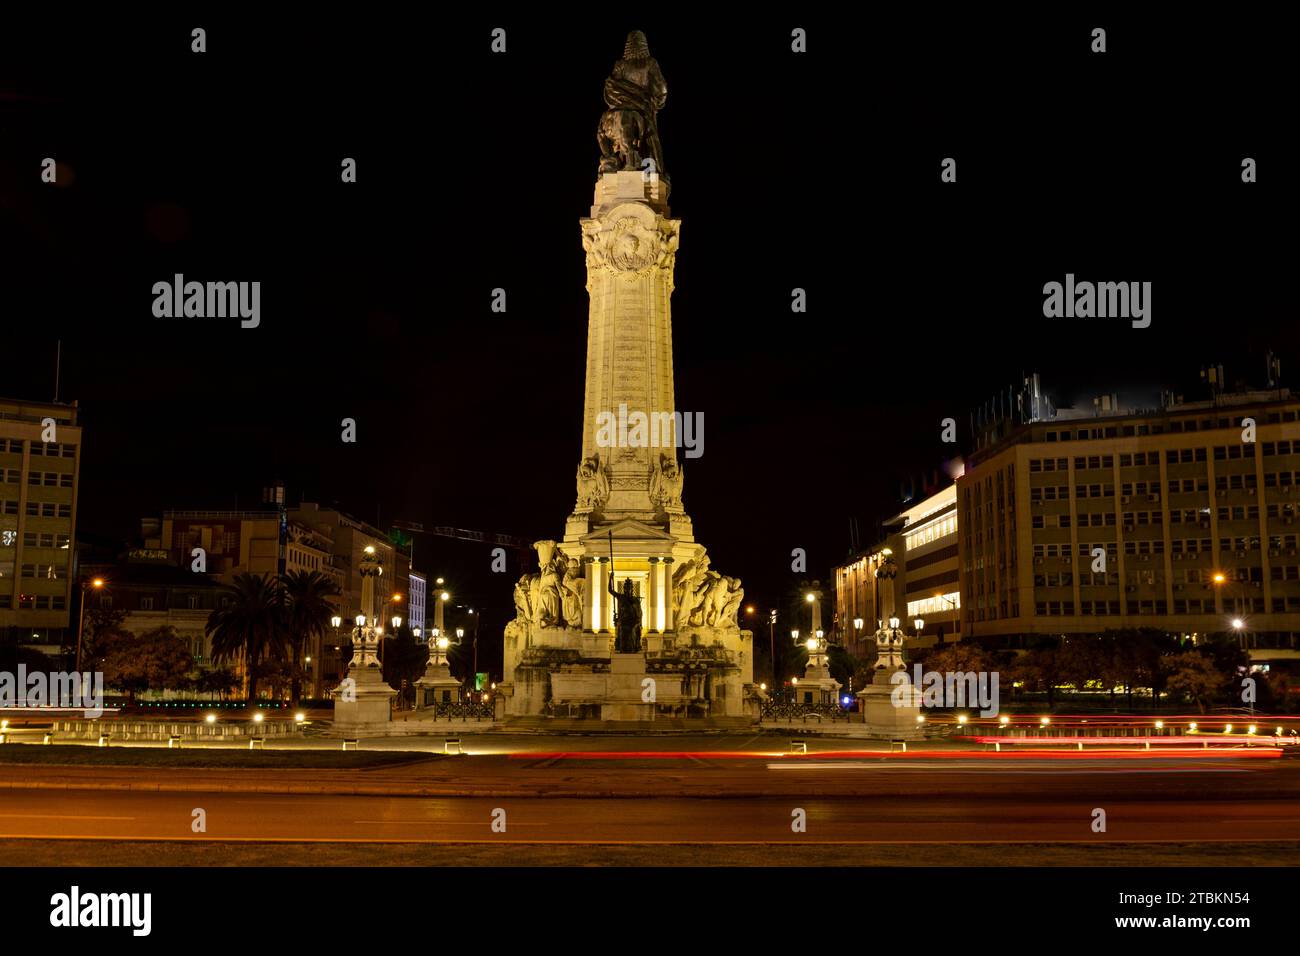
(416, 601)
(232, 543)
(153, 592)
(40, 460)
(920, 552)
(1182, 518)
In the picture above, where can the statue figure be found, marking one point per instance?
(666, 483)
(634, 92)
(724, 602)
(690, 586)
(571, 593)
(593, 484)
(627, 618)
(546, 604)
(523, 603)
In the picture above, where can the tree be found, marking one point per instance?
(1135, 659)
(1039, 668)
(217, 681)
(250, 627)
(404, 659)
(308, 610)
(1194, 675)
(158, 659)
(843, 667)
(102, 624)
(963, 657)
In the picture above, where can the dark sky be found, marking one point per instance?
(818, 171)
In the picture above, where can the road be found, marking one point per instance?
(671, 799)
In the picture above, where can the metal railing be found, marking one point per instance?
(791, 710)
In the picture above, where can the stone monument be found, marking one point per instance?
(625, 620)
(890, 704)
(436, 685)
(363, 701)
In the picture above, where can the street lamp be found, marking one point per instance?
(771, 640)
(920, 626)
(952, 604)
(94, 584)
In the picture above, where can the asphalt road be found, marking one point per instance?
(749, 800)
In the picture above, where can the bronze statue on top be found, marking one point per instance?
(634, 92)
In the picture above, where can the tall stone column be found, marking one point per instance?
(629, 428)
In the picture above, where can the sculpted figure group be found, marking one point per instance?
(553, 597)
(705, 598)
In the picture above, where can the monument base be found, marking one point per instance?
(367, 707)
(436, 686)
(624, 687)
(884, 718)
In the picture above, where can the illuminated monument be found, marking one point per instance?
(625, 620)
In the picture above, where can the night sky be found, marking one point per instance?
(818, 171)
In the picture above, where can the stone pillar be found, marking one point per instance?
(652, 597)
(669, 623)
(588, 594)
(631, 245)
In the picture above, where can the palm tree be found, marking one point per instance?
(250, 627)
(307, 615)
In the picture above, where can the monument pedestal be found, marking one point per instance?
(817, 686)
(623, 689)
(880, 711)
(368, 706)
(436, 686)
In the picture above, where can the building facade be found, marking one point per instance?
(920, 559)
(1182, 518)
(40, 463)
(153, 592)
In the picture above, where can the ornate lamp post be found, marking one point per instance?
(366, 700)
(86, 587)
(365, 637)
(437, 686)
